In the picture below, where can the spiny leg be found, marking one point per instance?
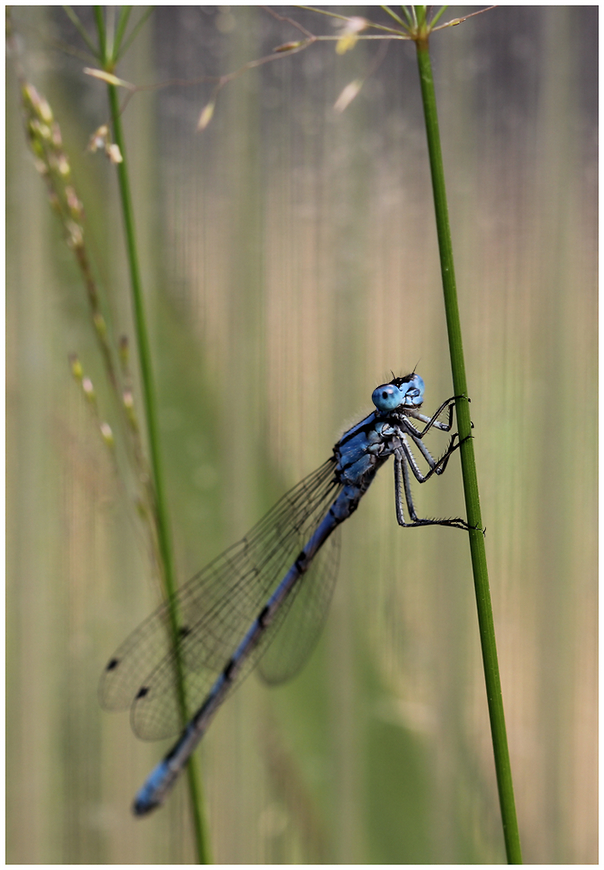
(448, 404)
(433, 421)
(436, 466)
(402, 483)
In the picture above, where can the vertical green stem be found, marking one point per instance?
(470, 480)
(149, 400)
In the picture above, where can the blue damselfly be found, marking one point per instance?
(230, 613)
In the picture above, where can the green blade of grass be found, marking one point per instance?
(150, 405)
(470, 480)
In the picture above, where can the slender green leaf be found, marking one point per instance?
(81, 30)
(438, 15)
(135, 30)
(122, 23)
(393, 14)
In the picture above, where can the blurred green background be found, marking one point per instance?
(290, 263)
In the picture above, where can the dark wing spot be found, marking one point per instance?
(112, 664)
(142, 692)
(183, 631)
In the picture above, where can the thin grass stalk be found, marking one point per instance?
(150, 405)
(470, 480)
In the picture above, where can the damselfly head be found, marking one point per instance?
(407, 392)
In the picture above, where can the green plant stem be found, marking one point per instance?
(159, 501)
(470, 481)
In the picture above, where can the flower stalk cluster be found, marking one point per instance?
(46, 143)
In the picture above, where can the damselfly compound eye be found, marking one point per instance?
(387, 397)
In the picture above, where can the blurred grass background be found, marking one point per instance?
(289, 260)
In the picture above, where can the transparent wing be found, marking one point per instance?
(291, 646)
(216, 608)
(303, 617)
